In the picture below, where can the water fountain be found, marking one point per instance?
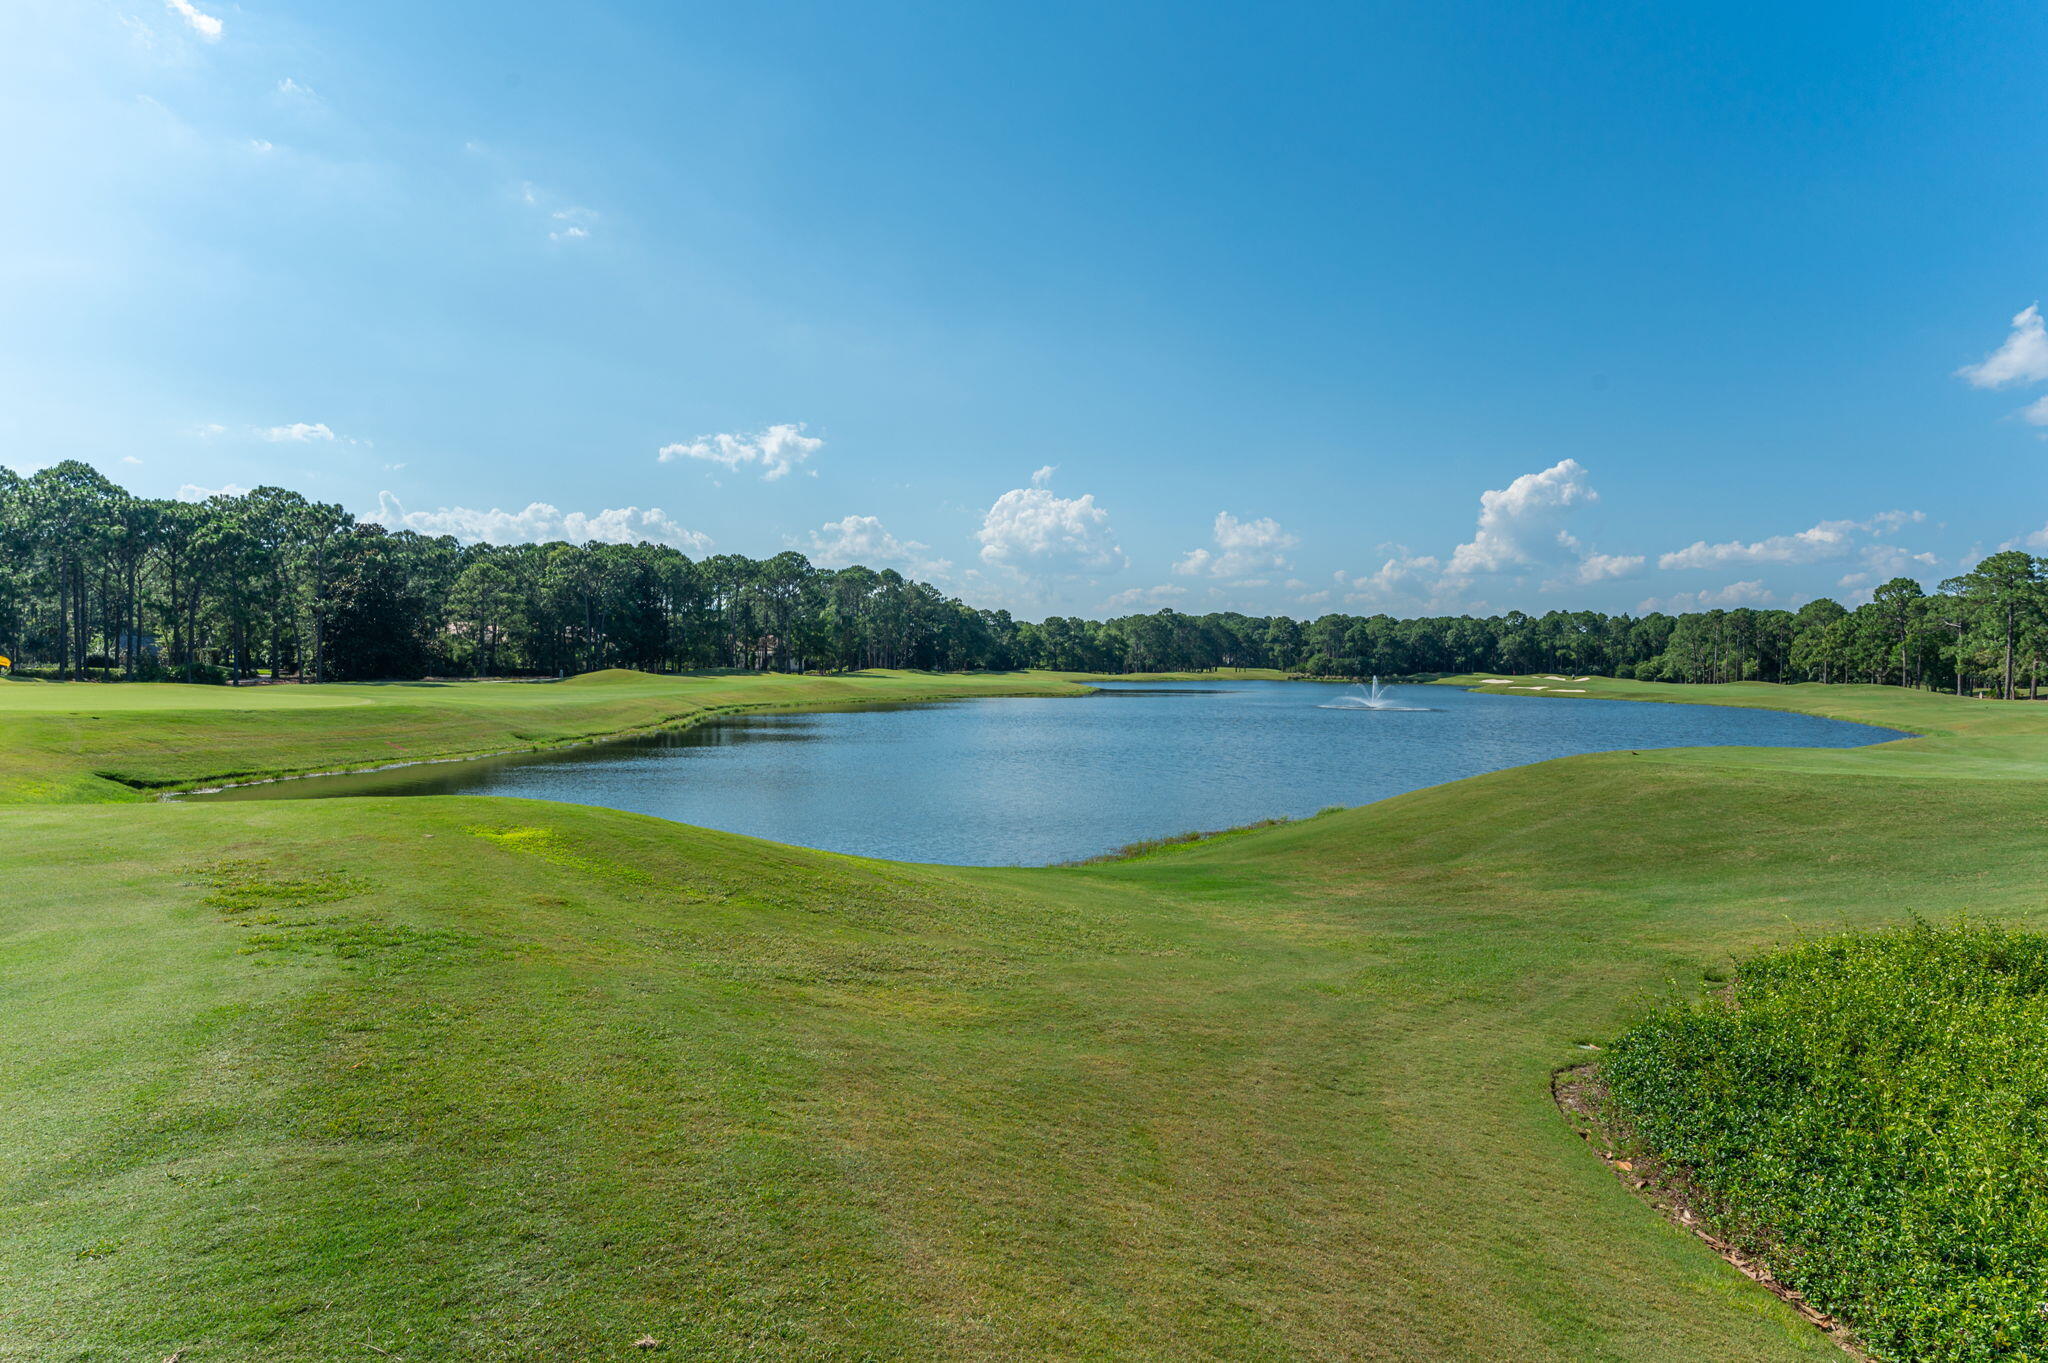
(1378, 698)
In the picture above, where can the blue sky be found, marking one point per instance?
(1070, 308)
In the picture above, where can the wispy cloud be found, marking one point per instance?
(202, 23)
(575, 223)
(1815, 544)
(302, 431)
(1889, 560)
(1750, 593)
(2023, 358)
(566, 221)
(775, 451)
(1133, 598)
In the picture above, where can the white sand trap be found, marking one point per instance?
(1547, 677)
(1495, 681)
(1569, 690)
(1528, 688)
(1582, 679)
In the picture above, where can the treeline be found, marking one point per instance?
(95, 582)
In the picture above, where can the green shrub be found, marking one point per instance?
(1869, 1113)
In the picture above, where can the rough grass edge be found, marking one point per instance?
(1476, 682)
(1175, 842)
(1581, 1096)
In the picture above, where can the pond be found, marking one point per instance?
(1035, 781)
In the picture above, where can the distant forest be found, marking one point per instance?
(95, 582)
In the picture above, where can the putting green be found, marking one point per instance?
(466, 1078)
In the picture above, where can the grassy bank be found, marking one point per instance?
(91, 742)
(489, 1079)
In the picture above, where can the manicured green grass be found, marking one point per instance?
(491, 1079)
(1870, 1114)
(92, 741)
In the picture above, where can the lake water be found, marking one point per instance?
(1033, 781)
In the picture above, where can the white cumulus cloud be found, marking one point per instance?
(775, 451)
(1241, 547)
(1517, 522)
(192, 492)
(205, 25)
(1402, 577)
(1036, 529)
(540, 522)
(2022, 359)
(1520, 527)
(866, 541)
(1601, 567)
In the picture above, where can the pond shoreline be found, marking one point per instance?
(1039, 786)
(676, 724)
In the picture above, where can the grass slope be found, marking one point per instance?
(488, 1079)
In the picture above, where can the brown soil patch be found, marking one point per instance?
(1580, 1097)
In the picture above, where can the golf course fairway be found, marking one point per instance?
(482, 1079)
